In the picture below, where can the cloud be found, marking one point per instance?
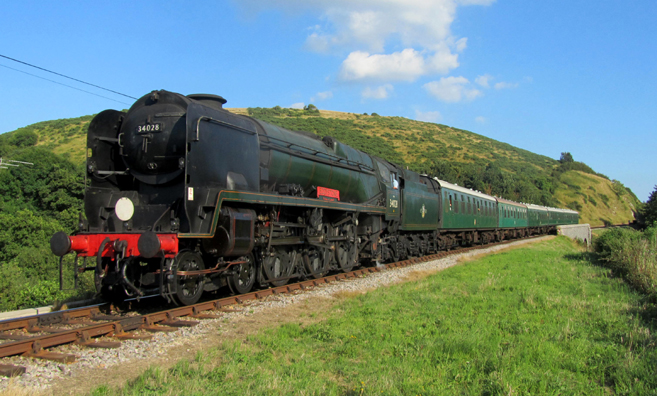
(461, 44)
(381, 92)
(299, 105)
(452, 89)
(363, 28)
(322, 96)
(407, 65)
(480, 120)
(505, 85)
(484, 80)
(429, 116)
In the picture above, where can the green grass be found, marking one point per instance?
(535, 320)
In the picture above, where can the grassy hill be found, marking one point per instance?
(598, 200)
(453, 154)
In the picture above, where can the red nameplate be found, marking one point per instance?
(328, 194)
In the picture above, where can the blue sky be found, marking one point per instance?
(546, 76)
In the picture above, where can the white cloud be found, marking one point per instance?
(317, 43)
(381, 92)
(299, 105)
(429, 116)
(505, 85)
(322, 96)
(364, 27)
(461, 44)
(407, 65)
(476, 2)
(480, 120)
(484, 80)
(452, 89)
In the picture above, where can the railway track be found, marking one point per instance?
(35, 336)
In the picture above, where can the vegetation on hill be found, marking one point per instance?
(35, 202)
(66, 137)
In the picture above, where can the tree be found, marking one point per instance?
(566, 157)
(650, 209)
(311, 107)
(24, 138)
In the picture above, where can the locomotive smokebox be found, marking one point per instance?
(153, 137)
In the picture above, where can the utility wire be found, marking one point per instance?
(69, 86)
(70, 78)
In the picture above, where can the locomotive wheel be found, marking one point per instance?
(188, 289)
(347, 255)
(347, 251)
(244, 278)
(280, 265)
(316, 262)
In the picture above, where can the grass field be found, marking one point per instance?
(535, 320)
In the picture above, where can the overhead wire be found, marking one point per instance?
(65, 76)
(66, 85)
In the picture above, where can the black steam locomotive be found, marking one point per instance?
(184, 197)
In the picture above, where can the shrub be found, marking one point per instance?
(633, 254)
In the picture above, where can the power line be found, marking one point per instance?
(70, 78)
(69, 86)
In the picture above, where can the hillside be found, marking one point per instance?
(453, 154)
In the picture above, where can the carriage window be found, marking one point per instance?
(462, 204)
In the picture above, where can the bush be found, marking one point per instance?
(633, 254)
(24, 138)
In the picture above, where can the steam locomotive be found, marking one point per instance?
(183, 197)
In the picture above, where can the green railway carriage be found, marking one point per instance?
(538, 215)
(563, 216)
(541, 216)
(511, 214)
(466, 209)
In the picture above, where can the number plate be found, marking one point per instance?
(157, 127)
